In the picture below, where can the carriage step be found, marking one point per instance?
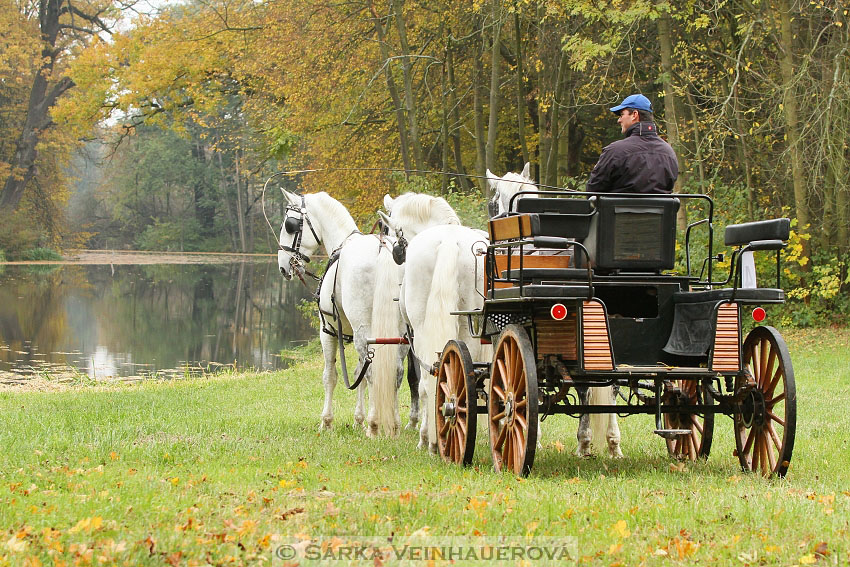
(672, 433)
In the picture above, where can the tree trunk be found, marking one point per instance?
(240, 215)
(407, 67)
(455, 114)
(671, 122)
(478, 107)
(495, 59)
(393, 90)
(41, 100)
(786, 66)
(520, 90)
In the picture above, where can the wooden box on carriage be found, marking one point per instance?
(564, 218)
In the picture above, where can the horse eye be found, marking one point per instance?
(290, 225)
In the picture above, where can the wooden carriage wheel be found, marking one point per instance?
(696, 444)
(512, 402)
(456, 404)
(766, 420)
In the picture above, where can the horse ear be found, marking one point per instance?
(526, 171)
(388, 202)
(492, 179)
(387, 220)
(291, 197)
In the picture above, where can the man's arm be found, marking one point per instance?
(600, 178)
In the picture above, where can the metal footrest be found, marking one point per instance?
(672, 433)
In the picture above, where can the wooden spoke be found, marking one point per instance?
(776, 442)
(761, 446)
(513, 403)
(697, 443)
(775, 400)
(499, 392)
(500, 440)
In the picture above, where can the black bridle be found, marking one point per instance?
(295, 226)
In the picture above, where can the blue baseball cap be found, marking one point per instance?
(636, 101)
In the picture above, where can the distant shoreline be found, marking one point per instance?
(145, 257)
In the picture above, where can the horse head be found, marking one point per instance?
(507, 186)
(298, 238)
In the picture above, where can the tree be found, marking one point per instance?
(63, 26)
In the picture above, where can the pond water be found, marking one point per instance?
(114, 321)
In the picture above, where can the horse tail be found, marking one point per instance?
(440, 325)
(599, 421)
(386, 322)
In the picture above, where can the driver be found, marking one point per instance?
(641, 162)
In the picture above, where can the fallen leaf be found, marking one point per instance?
(809, 559)
(559, 446)
(16, 545)
(620, 529)
(88, 525)
(331, 510)
(291, 512)
(822, 550)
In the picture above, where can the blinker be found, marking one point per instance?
(291, 225)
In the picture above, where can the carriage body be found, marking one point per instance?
(581, 293)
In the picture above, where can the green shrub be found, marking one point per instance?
(41, 255)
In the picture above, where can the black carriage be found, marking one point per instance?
(581, 292)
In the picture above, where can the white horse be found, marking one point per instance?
(443, 272)
(362, 286)
(507, 186)
(593, 426)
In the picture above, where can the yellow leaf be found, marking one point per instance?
(88, 525)
(114, 456)
(559, 446)
(620, 529)
(175, 481)
(615, 548)
(809, 559)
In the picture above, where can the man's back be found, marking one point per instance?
(641, 162)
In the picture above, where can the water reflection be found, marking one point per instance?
(125, 320)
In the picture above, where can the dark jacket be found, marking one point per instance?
(639, 163)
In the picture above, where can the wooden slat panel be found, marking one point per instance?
(726, 355)
(528, 261)
(597, 344)
(557, 337)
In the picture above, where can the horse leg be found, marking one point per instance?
(360, 336)
(413, 384)
(423, 426)
(613, 437)
(584, 434)
(329, 378)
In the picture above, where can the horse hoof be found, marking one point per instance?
(432, 448)
(412, 424)
(325, 424)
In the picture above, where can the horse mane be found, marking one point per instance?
(334, 213)
(421, 208)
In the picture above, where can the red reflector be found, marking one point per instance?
(558, 312)
(759, 314)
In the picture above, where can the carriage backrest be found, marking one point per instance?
(773, 229)
(634, 233)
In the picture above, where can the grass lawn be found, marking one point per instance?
(219, 471)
